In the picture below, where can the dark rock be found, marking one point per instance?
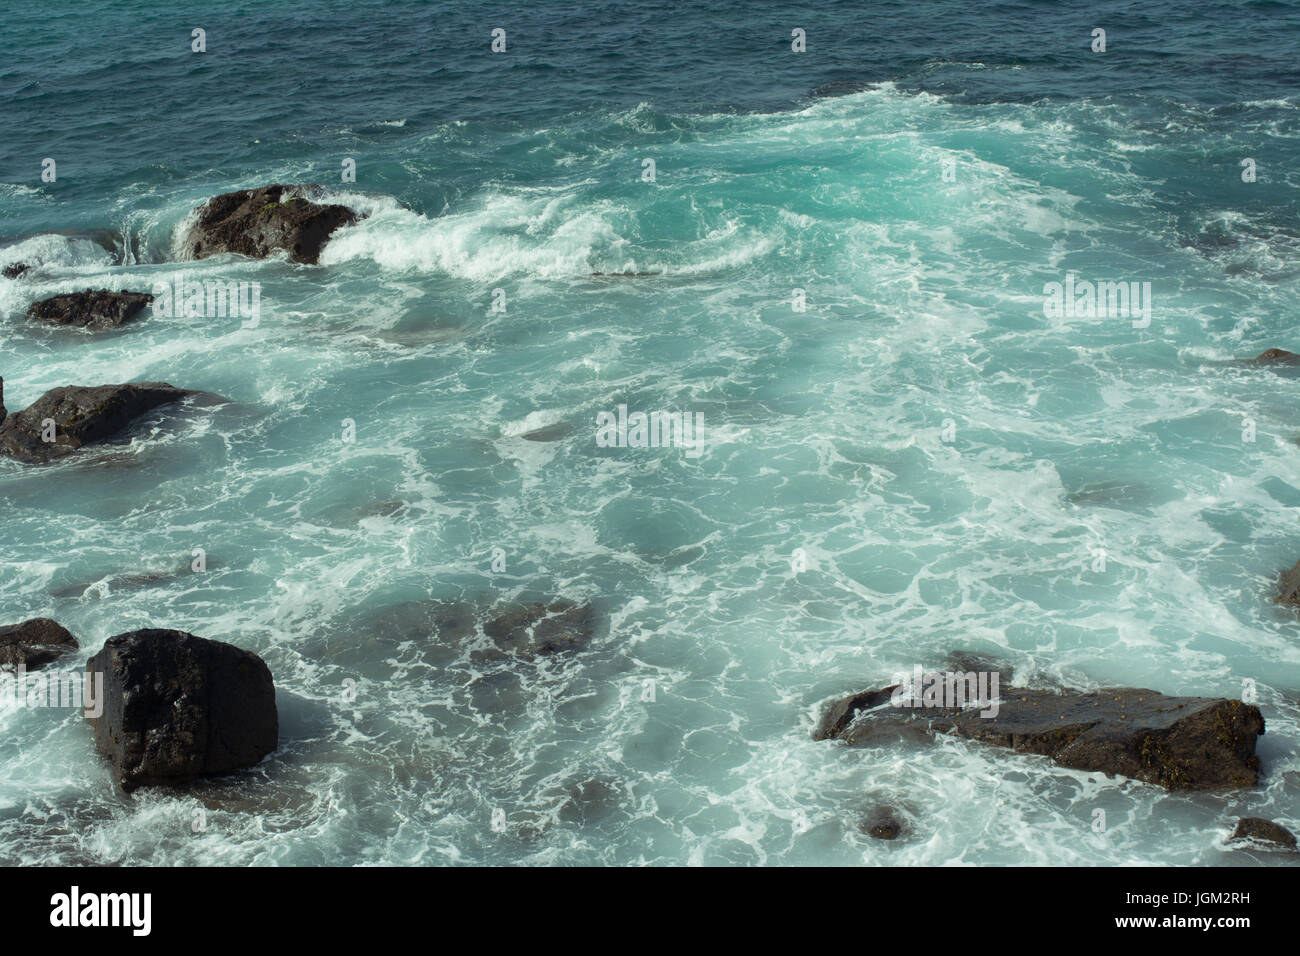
(1276, 357)
(838, 88)
(259, 222)
(963, 662)
(883, 823)
(548, 432)
(96, 310)
(1290, 591)
(1181, 743)
(1265, 831)
(590, 801)
(178, 706)
(34, 643)
(840, 714)
(624, 275)
(132, 581)
(82, 416)
(15, 269)
(531, 630)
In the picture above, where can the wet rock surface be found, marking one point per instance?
(81, 416)
(549, 433)
(177, 706)
(1181, 743)
(883, 823)
(1289, 593)
(1263, 831)
(261, 222)
(1276, 357)
(34, 643)
(96, 310)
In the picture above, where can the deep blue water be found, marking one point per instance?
(948, 460)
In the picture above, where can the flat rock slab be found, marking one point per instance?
(1181, 743)
(91, 309)
(177, 706)
(81, 415)
(261, 222)
(34, 643)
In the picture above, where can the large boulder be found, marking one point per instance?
(34, 643)
(178, 706)
(96, 310)
(82, 415)
(260, 222)
(1181, 743)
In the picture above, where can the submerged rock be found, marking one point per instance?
(538, 629)
(883, 823)
(548, 432)
(260, 222)
(15, 269)
(178, 706)
(90, 309)
(1263, 831)
(34, 643)
(81, 415)
(838, 88)
(1181, 743)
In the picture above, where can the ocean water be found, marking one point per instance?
(921, 461)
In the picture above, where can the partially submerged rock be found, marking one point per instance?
(96, 310)
(1290, 590)
(1263, 831)
(883, 823)
(176, 706)
(34, 643)
(80, 415)
(548, 432)
(443, 632)
(260, 222)
(1276, 357)
(838, 88)
(538, 629)
(1181, 743)
(15, 269)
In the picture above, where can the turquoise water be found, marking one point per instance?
(946, 459)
